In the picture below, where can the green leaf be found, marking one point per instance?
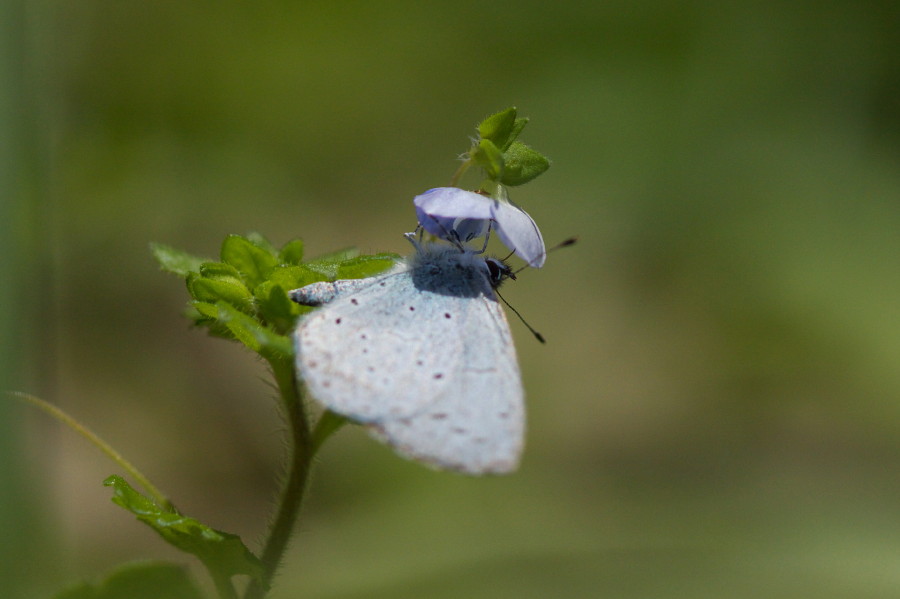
(291, 252)
(272, 300)
(486, 155)
(221, 552)
(327, 264)
(252, 261)
(139, 580)
(517, 128)
(205, 309)
(205, 314)
(276, 308)
(251, 333)
(226, 289)
(292, 277)
(498, 127)
(523, 164)
(259, 240)
(219, 269)
(175, 261)
(362, 267)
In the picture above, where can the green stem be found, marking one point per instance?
(460, 172)
(102, 445)
(295, 485)
(224, 586)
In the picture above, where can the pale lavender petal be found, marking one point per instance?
(445, 209)
(519, 232)
(448, 211)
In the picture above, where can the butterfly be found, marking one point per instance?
(422, 356)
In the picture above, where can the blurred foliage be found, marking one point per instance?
(716, 411)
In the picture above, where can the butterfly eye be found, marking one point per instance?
(498, 272)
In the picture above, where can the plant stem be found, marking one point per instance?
(460, 172)
(294, 486)
(102, 445)
(224, 586)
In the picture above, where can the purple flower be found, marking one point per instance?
(455, 214)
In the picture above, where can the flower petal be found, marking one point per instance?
(443, 210)
(519, 233)
(449, 211)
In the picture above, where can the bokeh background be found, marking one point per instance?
(717, 410)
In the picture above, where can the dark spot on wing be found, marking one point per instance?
(446, 315)
(412, 308)
(354, 301)
(337, 321)
(438, 376)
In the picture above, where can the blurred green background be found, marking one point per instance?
(717, 410)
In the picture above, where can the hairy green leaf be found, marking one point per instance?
(486, 155)
(276, 308)
(523, 164)
(251, 333)
(517, 128)
(291, 252)
(362, 267)
(219, 269)
(221, 552)
(255, 263)
(224, 288)
(175, 261)
(260, 240)
(327, 264)
(498, 127)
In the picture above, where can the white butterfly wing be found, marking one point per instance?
(424, 356)
(478, 425)
(367, 356)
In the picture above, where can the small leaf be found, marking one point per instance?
(219, 269)
(517, 128)
(205, 309)
(226, 289)
(140, 580)
(292, 277)
(498, 127)
(205, 314)
(221, 552)
(523, 164)
(175, 261)
(486, 155)
(252, 261)
(291, 252)
(259, 240)
(327, 264)
(276, 308)
(251, 333)
(362, 267)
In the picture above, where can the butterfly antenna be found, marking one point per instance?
(537, 335)
(562, 244)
